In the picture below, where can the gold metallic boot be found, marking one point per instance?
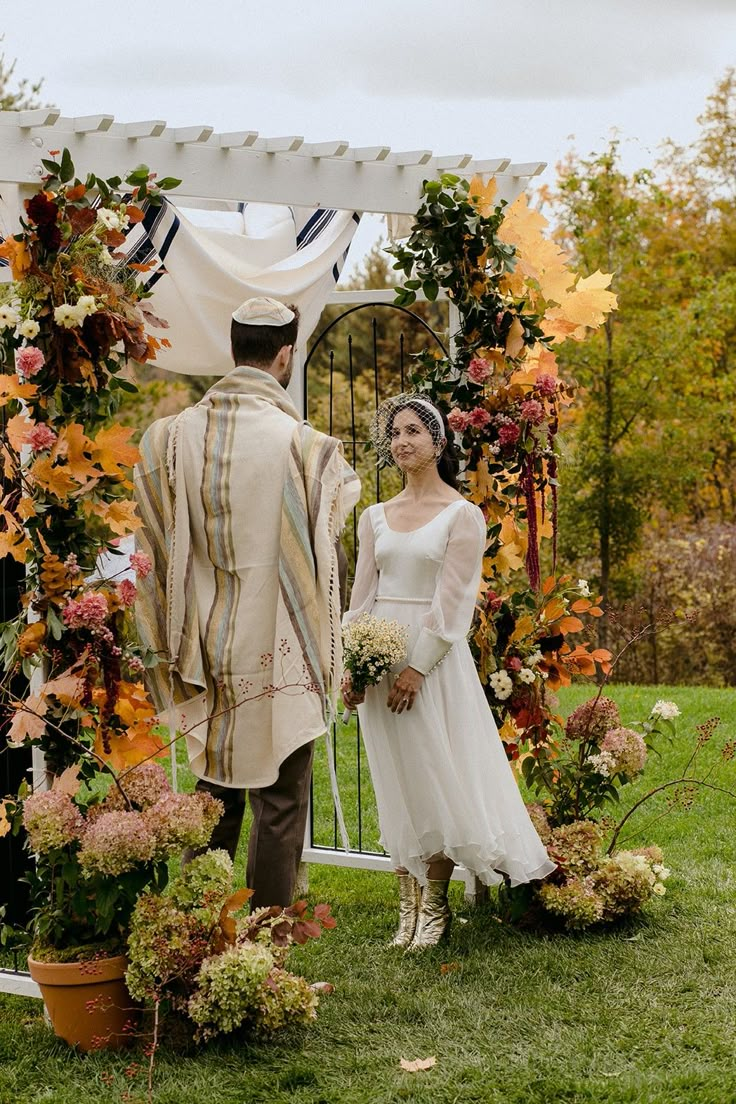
(409, 900)
(433, 924)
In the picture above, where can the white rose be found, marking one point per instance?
(659, 889)
(29, 329)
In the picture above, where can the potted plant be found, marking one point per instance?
(95, 852)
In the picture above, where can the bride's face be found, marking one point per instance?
(412, 446)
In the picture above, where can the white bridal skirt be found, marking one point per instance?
(442, 781)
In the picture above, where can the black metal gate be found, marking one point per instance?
(361, 356)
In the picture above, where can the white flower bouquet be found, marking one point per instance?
(371, 647)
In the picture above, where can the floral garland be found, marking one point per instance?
(516, 297)
(70, 320)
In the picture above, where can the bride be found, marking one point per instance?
(445, 791)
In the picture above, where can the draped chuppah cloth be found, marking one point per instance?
(205, 263)
(242, 504)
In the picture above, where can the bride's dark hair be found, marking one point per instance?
(448, 463)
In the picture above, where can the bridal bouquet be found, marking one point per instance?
(371, 647)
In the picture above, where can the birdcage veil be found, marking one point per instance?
(382, 424)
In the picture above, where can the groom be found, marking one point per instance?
(243, 503)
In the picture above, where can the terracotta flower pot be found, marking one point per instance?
(88, 1003)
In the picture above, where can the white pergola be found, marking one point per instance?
(220, 169)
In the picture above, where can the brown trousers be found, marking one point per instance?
(277, 833)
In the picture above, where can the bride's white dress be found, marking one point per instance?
(440, 774)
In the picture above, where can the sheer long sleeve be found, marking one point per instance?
(451, 612)
(365, 584)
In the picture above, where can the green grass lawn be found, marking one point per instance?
(643, 1014)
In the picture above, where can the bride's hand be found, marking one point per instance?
(349, 698)
(404, 690)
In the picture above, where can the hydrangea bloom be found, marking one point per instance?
(627, 748)
(115, 842)
(592, 720)
(182, 820)
(286, 998)
(479, 417)
(533, 411)
(144, 786)
(228, 986)
(206, 879)
(52, 820)
(667, 710)
(577, 846)
(546, 385)
(575, 901)
(127, 592)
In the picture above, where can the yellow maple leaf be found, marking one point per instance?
(587, 305)
(120, 516)
(482, 196)
(57, 481)
(16, 253)
(112, 452)
(25, 508)
(68, 781)
(514, 339)
(15, 545)
(539, 257)
(73, 444)
(12, 387)
(417, 1064)
(4, 822)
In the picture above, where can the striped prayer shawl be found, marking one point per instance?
(206, 488)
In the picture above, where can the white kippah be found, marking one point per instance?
(263, 311)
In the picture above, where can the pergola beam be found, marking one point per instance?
(240, 165)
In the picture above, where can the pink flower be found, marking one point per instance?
(508, 435)
(479, 418)
(141, 564)
(513, 663)
(533, 411)
(88, 612)
(29, 361)
(479, 370)
(40, 437)
(458, 420)
(179, 820)
(546, 385)
(127, 592)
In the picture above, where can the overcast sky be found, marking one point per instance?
(525, 79)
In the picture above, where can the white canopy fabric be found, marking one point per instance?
(207, 262)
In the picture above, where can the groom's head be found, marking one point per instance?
(263, 334)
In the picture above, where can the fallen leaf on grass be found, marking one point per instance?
(448, 967)
(323, 986)
(417, 1065)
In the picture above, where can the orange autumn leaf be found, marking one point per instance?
(4, 822)
(134, 213)
(68, 781)
(130, 748)
(548, 585)
(121, 517)
(17, 255)
(112, 452)
(553, 610)
(16, 429)
(55, 480)
(31, 639)
(569, 625)
(12, 387)
(25, 508)
(417, 1064)
(67, 688)
(514, 339)
(582, 605)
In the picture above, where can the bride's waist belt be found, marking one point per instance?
(396, 598)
